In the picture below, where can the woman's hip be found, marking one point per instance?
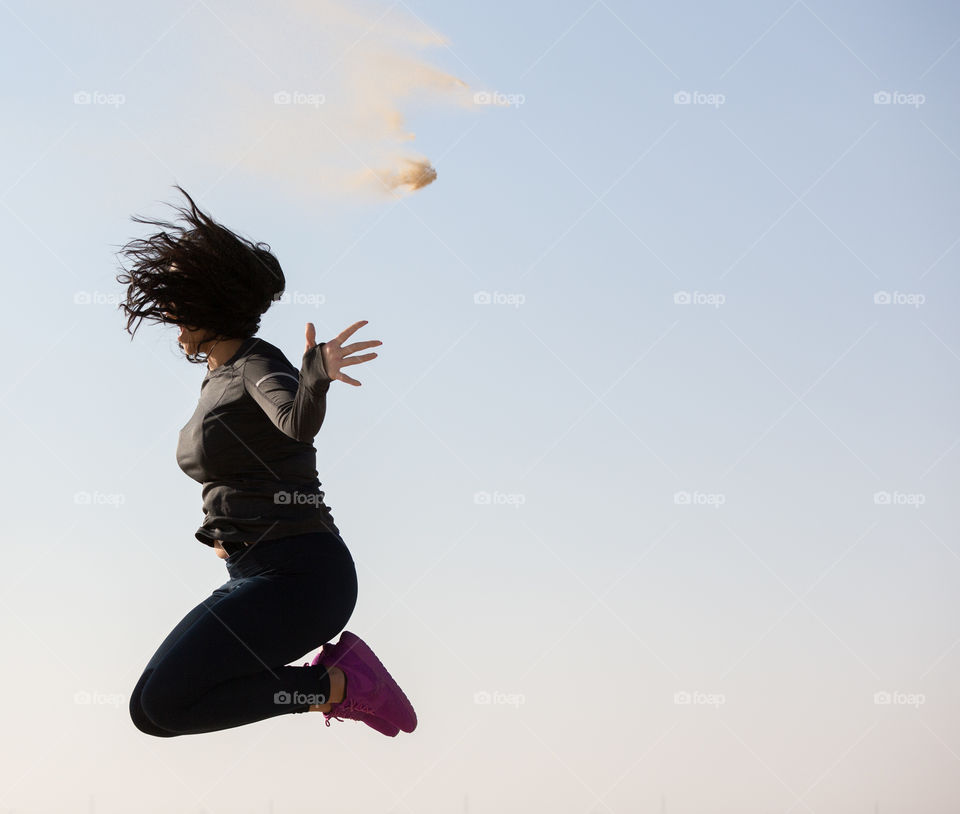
(315, 551)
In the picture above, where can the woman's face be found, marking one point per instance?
(191, 338)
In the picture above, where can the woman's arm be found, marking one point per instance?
(295, 405)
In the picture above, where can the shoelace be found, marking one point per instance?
(347, 705)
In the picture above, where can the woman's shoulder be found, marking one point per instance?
(262, 355)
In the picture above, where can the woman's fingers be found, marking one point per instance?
(356, 360)
(311, 336)
(346, 333)
(370, 343)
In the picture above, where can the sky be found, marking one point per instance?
(649, 488)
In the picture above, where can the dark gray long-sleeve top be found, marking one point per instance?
(250, 443)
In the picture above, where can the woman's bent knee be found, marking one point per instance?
(162, 710)
(141, 720)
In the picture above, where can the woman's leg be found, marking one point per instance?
(223, 665)
(139, 717)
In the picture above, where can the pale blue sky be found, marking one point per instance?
(782, 399)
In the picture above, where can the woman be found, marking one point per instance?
(293, 582)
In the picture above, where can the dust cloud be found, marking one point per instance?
(412, 174)
(317, 98)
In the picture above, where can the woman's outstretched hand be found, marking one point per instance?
(335, 354)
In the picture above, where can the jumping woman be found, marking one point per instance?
(293, 581)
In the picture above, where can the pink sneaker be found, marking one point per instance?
(326, 657)
(371, 690)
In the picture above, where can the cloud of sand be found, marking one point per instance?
(321, 97)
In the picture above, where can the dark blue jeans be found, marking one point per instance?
(223, 665)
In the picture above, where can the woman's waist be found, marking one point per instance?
(279, 549)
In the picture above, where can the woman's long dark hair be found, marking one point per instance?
(202, 274)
